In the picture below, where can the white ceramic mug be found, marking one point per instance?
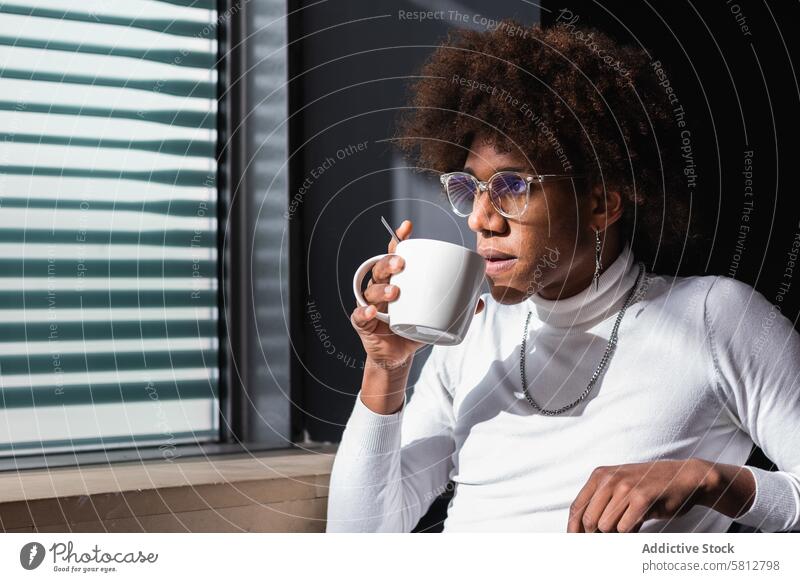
(439, 289)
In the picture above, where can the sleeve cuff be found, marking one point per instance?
(776, 503)
(370, 432)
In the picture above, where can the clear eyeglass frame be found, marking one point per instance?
(483, 186)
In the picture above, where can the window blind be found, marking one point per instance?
(108, 231)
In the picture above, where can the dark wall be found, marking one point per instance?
(730, 64)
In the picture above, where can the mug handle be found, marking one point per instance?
(358, 279)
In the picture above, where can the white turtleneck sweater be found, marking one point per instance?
(704, 367)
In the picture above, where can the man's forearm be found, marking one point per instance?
(383, 387)
(730, 489)
(366, 485)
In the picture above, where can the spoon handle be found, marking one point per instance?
(389, 228)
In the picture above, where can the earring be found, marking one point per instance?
(597, 265)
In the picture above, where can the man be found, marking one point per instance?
(589, 394)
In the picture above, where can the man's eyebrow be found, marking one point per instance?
(469, 170)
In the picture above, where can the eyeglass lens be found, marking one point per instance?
(507, 190)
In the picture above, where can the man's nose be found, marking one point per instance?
(484, 215)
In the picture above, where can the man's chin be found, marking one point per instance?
(505, 293)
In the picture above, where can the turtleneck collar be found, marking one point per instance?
(590, 306)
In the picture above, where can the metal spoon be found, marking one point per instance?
(389, 228)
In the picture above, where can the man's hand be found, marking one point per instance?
(622, 497)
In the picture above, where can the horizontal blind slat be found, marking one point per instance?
(179, 177)
(107, 330)
(193, 119)
(101, 362)
(170, 207)
(188, 238)
(44, 299)
(173, 27)
(176, 147)
(116, 345)
(125, 8)
(102, 443)
(177, 87)
(104, 252)
(178, 58)
(81, 423)
(131, 377)
(112, 268)
(207, 4)
(67, 314)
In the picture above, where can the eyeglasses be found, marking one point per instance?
(509, 191)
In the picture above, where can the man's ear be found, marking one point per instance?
(605, 205)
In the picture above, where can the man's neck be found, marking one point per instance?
(581, 277)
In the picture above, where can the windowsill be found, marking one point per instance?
(283, 490)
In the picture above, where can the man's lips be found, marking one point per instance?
(494, 254)
(497, 261)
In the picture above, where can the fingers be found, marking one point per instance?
(403, 232)
(378, 294)
(578, 507)
(363, 318)
(610, 519)
(636, 512)
(597, 510)
(385, 268)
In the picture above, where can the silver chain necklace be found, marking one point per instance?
(612, 343)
